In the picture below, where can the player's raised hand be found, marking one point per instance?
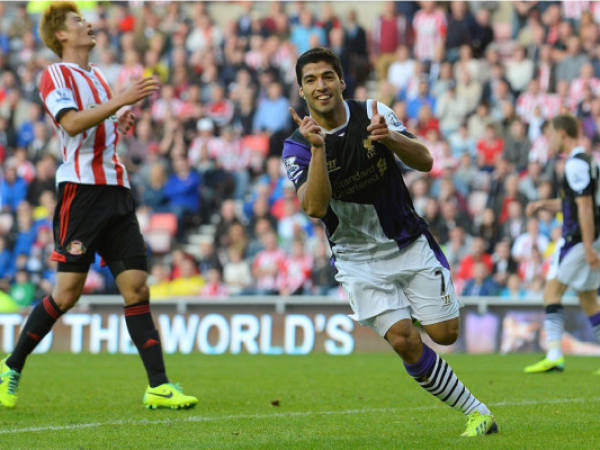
(309, 128)
(378, 129)
(126, 121)
(532, 208)
(139, 89)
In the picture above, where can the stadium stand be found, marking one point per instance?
(476, 80)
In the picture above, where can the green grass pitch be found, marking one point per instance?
(357, 401)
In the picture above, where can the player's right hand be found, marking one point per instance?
(532, 208)
(309, 128)
(139, 89)
(592, 258)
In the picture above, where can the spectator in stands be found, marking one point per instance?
(22, 290)
(401, 68)
(423, 98)
(182, 190)
(272, 113)
(6, 260)
(460, 29)
(236, 272)
(514, 289)
(189, 282)
(296, 271)
(220, 110)
(519, 70)
(159, 283)
(43, 180)
(451, 109)
(214, 286)
(517, 145)
(390, 31)
(208, 256)
(504, 264)
(430, 28)
(481, 284)
(477, 254)
(527, 243)
(26, 231)
(13, 188)
(323, 271)
(153, 194)
(570, 66)
(302, 32)
(267, 265)
(489, 229)
(457, 247)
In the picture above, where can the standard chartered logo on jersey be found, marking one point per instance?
(359, 180)
(294, 334)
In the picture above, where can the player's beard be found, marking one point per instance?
(326, 110)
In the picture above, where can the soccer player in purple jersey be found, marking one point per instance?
(343, 161)
(575, 261)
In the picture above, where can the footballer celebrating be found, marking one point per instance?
(95, 210)
(575, 261)
(343, 161)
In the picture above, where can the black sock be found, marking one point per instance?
(145, 337)
(38, 324)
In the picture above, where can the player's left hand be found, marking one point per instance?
(378, 129)
(126, 121)
(592, 258)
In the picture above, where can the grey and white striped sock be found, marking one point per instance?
(554, 326)
(445, 385)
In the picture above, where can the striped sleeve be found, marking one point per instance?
(55, 92)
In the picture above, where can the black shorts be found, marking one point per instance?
(99, 219)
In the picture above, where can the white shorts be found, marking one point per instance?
(411, 283)
(573, 270)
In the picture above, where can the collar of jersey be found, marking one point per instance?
(77, 66)
(337, 129)
(577, 150)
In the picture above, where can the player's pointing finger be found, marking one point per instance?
(374, 108)
(295, 116)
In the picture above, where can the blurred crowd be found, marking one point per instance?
(477, 81)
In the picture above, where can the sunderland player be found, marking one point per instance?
(575, 261)
(95, 211)
(342, 160)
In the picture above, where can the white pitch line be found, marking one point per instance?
(280, 415)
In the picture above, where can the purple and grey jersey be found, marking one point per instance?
(580, 179)
(371, 212)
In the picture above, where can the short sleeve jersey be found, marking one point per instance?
(370, 209)
(89, 157)
(580, 179)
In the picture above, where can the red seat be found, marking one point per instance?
(257, 143)
(163, 222)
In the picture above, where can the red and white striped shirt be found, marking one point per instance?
(430, 30)
(90, 157)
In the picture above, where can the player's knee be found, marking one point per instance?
(65, 299)
(445, 335)
(403, 341)
(447, 338)
(137, 294)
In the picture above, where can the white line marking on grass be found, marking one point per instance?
(80, 426)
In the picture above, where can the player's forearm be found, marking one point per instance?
(315, 194)
(411, 151)
(552, 204)
(75, 122)
(585, 214)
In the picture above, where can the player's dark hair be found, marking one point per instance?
(318, 54)
(568, 123)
